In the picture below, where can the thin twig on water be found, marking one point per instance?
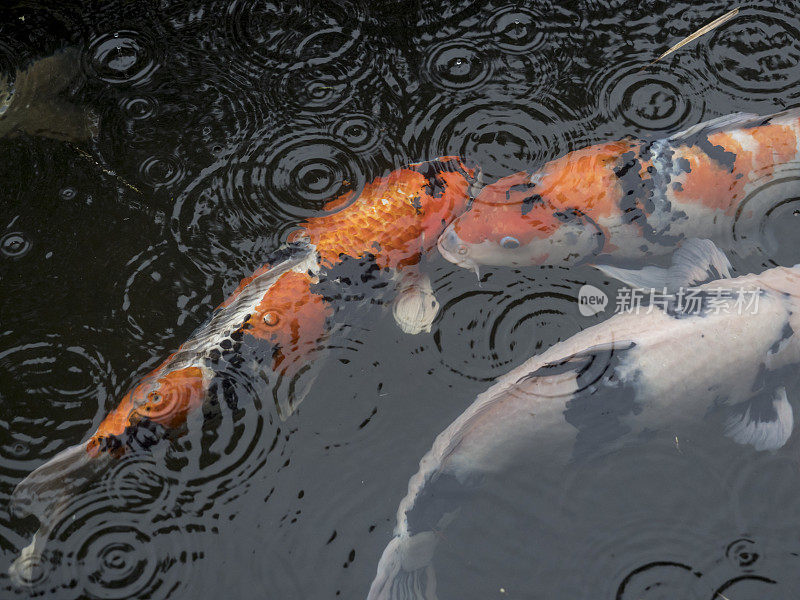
(702, 31)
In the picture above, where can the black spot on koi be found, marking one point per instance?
(432, 171)
(531, 201)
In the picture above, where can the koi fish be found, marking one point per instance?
(633, 198)
(277, 318)
(609, 386)
(33, 101)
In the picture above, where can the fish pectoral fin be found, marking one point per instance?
(645, 278)
(415, 307)
(764, 423)
(405, 571)
(45, 490)
(24, 570)
(696, 261)
(288, 395)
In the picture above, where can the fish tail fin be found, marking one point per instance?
(45, 493)
(49, 486)
(405, 570)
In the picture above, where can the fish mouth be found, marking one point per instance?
(454, 250)
(452, 247)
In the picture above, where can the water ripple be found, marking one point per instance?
(119, 563)
(162, 171)
(660, 98)
(71, 381)
(757, 54)
(457, 65)
(277, 35)
(359, 132)
(496, 133)
(501, 323)
(123, 57)
(517, 29)
(140, 108)
(115, 555)
(767, 216)
(154, 275)
(266, 188)
(14, 245)
(233, 109)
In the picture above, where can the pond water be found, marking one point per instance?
(192, 136)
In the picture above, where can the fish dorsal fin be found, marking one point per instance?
(764, 423)
(696, 261)
(726, 122)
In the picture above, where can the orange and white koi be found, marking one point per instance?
(280, 315)
(635, 198)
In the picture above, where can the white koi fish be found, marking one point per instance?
(608, 385)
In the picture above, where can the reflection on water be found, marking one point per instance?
(220, 124)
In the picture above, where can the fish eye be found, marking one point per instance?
(509, 243)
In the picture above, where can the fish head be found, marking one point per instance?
(511, 223)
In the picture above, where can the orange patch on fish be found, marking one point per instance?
(708, 182)
(717, 186)
(497, 212)
(178, 393)
(395, 218)
(290, 316)
(167, 401)
(777, 144)
(583, 180)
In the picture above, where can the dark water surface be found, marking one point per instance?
(218, 125)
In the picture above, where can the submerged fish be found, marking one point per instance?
(34, 101)
(634, 198)
(611, 385)
(273, 323)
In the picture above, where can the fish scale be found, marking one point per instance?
(382, 223)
